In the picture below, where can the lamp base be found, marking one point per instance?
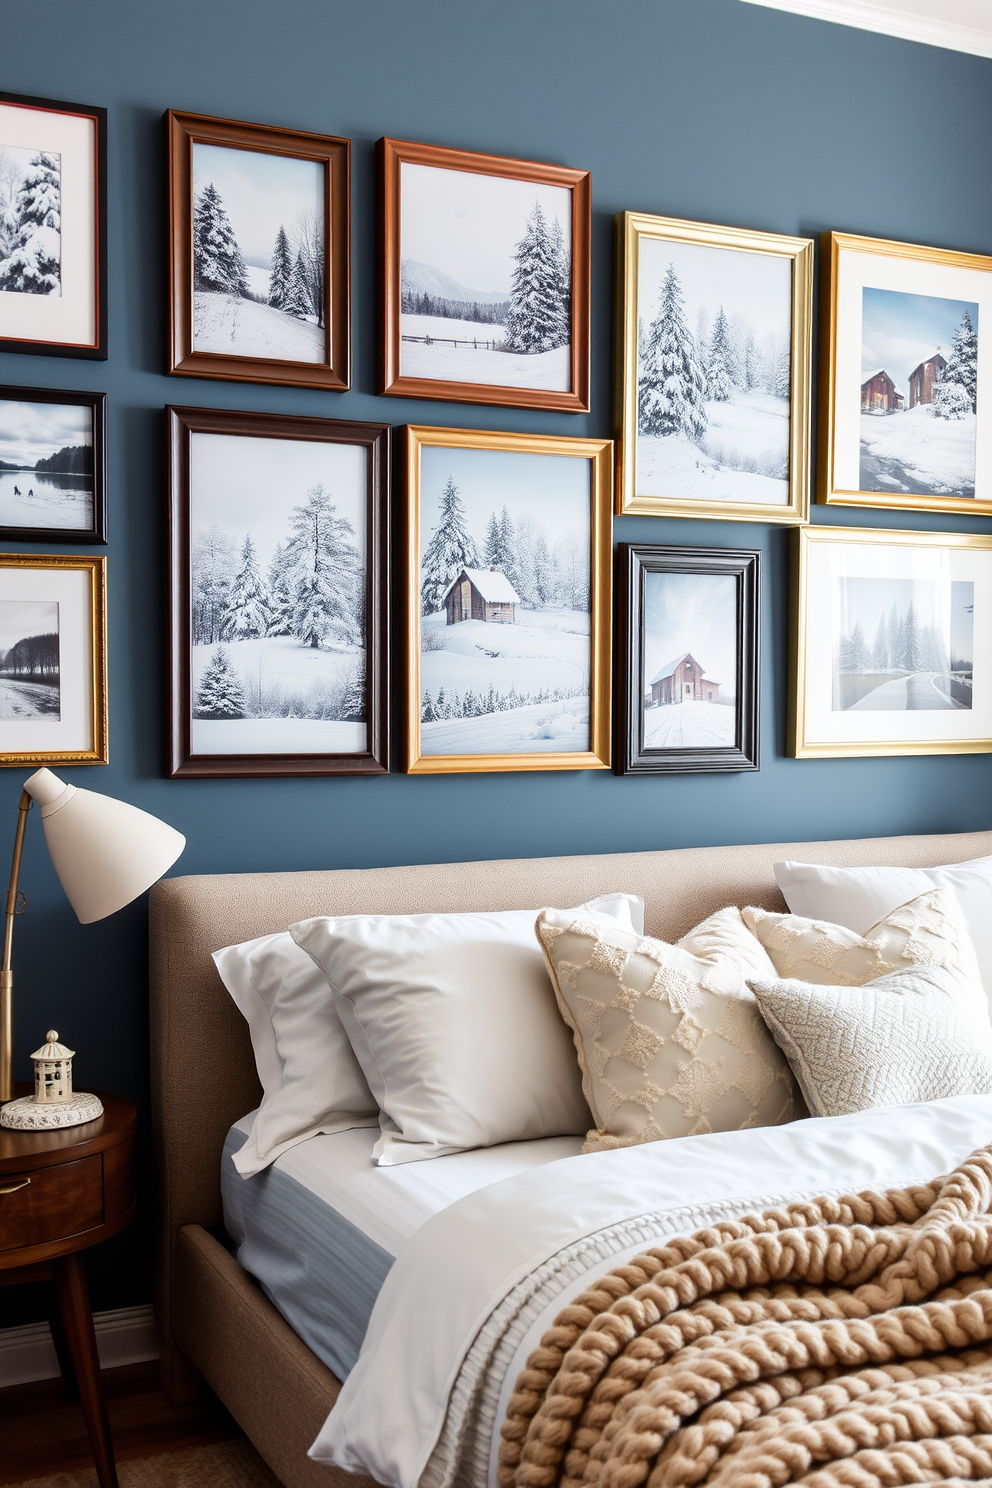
(27, 1114)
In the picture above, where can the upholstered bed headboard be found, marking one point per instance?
(203, 1074)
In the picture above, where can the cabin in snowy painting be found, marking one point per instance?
(924, 378)
(683, 680)
(879, 394)
(481, 594)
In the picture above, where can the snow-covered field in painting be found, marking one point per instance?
(913, 451)
(689, 725)
(540, 728)
(743, 456)
(56, 501)
(258, 280)
(227, 324)
(549, 370)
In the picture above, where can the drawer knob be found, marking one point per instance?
(13, 1187)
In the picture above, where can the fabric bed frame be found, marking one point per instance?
(212, 1317)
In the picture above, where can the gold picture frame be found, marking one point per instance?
(633, 229)
(902, 618)
(898, 277)
(64, 687)
(461, 443)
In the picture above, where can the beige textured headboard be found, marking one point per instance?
(203, 1074)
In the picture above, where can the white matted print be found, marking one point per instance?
(278, 601)
(259, 270)
(689, 660)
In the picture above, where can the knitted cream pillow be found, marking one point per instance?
(930, 930)
(669, 1039)
(914, 1035)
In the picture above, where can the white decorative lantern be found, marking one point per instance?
(53, 1103)
(52, 1071)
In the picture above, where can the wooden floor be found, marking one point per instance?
(43, 1433)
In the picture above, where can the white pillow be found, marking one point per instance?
(860, 897)
(311, 1080)
(454, 1021)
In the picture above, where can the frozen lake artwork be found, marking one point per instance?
(485, 279)
(505, 602)
(46, 465)
(29, 660)
(689, 660)
(30, 221)
(258, 254)
(919, 393)
(903, 645)
(277, 596)
(713, 373)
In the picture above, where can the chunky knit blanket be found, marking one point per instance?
(845, 1341)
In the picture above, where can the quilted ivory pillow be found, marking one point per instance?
(670, 1041)
(930, 930)
(914, 1035)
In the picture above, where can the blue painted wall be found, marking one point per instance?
(712, 109)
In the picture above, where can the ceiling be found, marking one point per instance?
(961, 25)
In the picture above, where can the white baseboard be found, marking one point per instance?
(124, 1336)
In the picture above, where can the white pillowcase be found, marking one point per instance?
(455, 1023)
(860, 897)
(311, 1080)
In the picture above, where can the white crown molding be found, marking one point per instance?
(124, 1336)
(958, 25)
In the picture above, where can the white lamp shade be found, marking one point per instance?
(105, 852)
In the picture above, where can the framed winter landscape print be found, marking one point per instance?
(279, 582)
(53, 465)
(485, 278)
(891, 638)
(907, 377)
(508, 601)
(713, 330)
(259, 253)
(688, 683)
(53, 227)
(53, 659)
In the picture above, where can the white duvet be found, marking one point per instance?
(475, 1287)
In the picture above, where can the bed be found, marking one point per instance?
(213, 1317)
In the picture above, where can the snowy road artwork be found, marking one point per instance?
(689, 725)
(914, 452)
(20, 700)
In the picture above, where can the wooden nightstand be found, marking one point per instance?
(60, 1193)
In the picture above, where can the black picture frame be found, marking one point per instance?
(95, 347)
(97, 402)
(634, 562)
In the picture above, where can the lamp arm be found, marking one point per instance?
(6, 974)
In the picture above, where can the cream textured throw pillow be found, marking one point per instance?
(914, 1035)
(930, 930)
(669, 1039)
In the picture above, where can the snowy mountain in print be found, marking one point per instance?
(421, 278)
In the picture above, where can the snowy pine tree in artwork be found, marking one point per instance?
(719, 382)
(217, 261)
(451, 548)
(671, 384)
(31, 228)
(220, 693)
(249, 613)
(540, 312)
(956, 394)
(323, 574)
(281, 272)
(298, 301)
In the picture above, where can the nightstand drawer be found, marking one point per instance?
(43, 1204)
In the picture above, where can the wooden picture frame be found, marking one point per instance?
(568, 702)
(60, 679)
(890, 643)
(56, 306)
(906, 398)
(480, 252)
(294, 700)
(25, 402)
(722, 453)
(308, 358)
(666, 596)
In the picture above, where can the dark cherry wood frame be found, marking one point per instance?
(634, 561)
(98, 351)
(182, 132)
(98, 403)
(181, 423)
(390, 155)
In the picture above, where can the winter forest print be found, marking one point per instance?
(277, 596)
(903, 645)
(258, 255)
(30, 660)
(713, 373)
(919, 393)
(30, 221)
(504, 602)
(486, 276)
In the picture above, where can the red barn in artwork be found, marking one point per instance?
(923, 379)
(683, 680)
(879, 393)
(481, 594)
